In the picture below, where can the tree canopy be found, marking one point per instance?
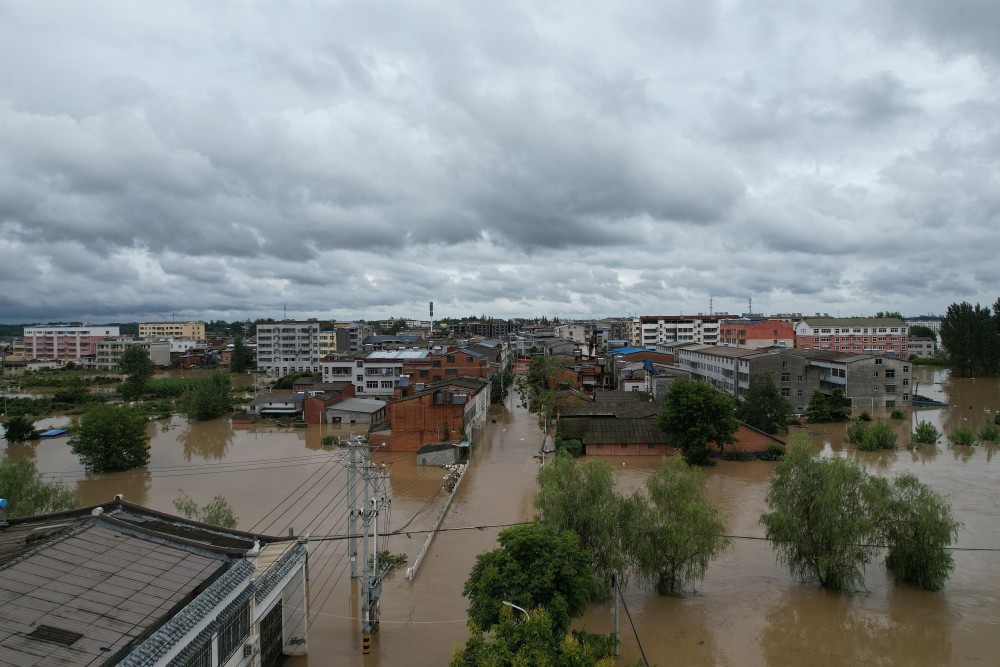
(763, 406)
(921, 331)
(533, 639)
(19, 429)
(829, 518)
(697, 414)
(138, 369)
(218, 512)
(833, 408)
(207, 398)
(534, 566)
(110, 438)
(27, 492)
(971, 336)
(242, 358)
(678, 533)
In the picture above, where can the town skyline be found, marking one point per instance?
(228, 161)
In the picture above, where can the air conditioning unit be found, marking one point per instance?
(251, 648)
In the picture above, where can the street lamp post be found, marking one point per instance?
(520, 609)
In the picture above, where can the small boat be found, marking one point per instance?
(54, 433)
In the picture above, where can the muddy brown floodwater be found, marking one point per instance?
(747, 611)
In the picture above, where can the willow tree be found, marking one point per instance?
(918, 529)
(824, 519)
(678, 533)
(581, 498)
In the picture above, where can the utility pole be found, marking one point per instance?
(374, 501)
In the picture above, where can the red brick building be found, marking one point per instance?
(754, 334)
(438, 412)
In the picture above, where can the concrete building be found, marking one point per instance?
(356, 411)
(885, 336)
(376, 375)
(288, 347)
(192, 330)
(923, 347)
(489, 328)
(109, 352)
(119, 584)
(868, 380)
(702, 329)
(436, 413)
(65, 342)
(756, 333)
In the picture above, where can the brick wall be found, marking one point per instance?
(631, 449)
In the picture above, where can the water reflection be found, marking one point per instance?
(133, 484)
(207, 440)
(819, 627)
(924, 453)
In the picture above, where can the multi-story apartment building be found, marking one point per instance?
(868, 380)
(702, 329)
(756, 333)
(349, 336)
(923, 347)
(489, 328)
(327, 343)
(109, 352)
(288, 347)
(880, 336)
(65, 342)
(188, 330)
(374, 376)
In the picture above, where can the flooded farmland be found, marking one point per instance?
(748, 610)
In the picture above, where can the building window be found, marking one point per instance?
(360, 378)
(799, 378)
(876, 374)
(371, 384)
(906, 369)
(423, 373)
(786, 377)
(203, 658)
(890, 373)
(233, 632)
(799, 393)
(600, 446)
(878, 362)
(786, 391)
(436, 363)
(386, 384)
(890, 389)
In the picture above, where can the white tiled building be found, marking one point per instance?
(288, 347)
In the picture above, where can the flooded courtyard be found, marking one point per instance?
(747, 611)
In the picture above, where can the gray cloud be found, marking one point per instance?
(350, 161)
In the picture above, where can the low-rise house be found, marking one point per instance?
(434, 413)
(355, 411)
(120, 584)
(276, 405)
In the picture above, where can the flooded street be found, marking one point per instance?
(748, 610)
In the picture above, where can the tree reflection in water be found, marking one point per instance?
(133, 484)
(208, 440)
(820, 627)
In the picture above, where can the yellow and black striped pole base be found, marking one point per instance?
(366, 640)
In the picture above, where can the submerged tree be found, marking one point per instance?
(918, 528)
(697, 414)
(534, 566)
(138, 369)
(207, 399)
(28, 493)
(822, 520)
(110, 438)
(19, 429)
(680, 533)
(581, 498)
(763, 406)
(218, 512)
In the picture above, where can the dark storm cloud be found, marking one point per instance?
(352, 160)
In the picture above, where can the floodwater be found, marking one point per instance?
(747, 611)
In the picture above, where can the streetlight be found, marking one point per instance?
(521, 609)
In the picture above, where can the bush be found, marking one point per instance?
(871, 438)
(990, 433)
(330, 440)
(865, 416)
(963, 436)
(897, 414)
(926, 434)
(773, 453)
(734, 455)
(573, 447)
(856, 433)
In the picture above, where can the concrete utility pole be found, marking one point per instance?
(374, 501)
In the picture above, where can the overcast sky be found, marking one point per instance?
(581, 159)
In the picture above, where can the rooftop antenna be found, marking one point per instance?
(710, 300)
(284, 308)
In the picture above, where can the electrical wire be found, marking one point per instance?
(634, 632)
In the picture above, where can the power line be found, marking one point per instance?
(630, 622)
